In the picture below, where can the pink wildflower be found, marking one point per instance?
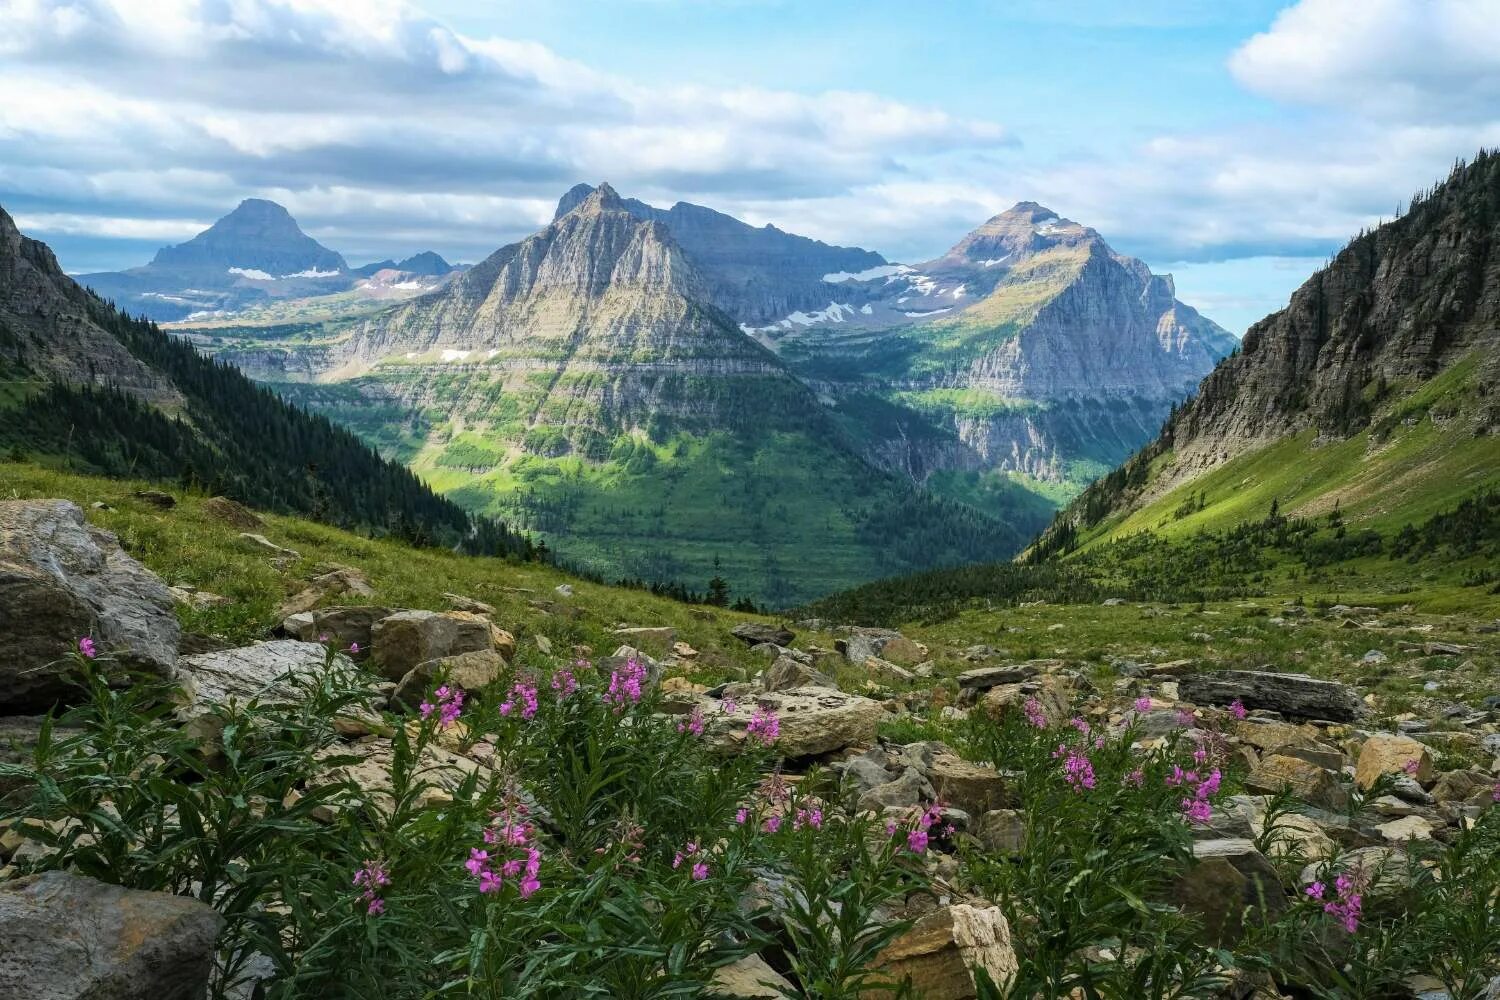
(1237, 709)
(372, 878)
(916, 840)
(773, 823)
(1034, 714)
(1078, 770)
(764, 725)
(87, 648)
(625, 685)
(1412, 766)
(525, 695)
(450, 705)
(730, 705)
(700, 871)
(354, 648)
(564, 683)
(1079, 724)
(741, 815)
(1143, 704)
(1136, 778)
(1348, 901)
(694, 723)
(1186, 719)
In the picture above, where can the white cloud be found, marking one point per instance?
(1430, 60)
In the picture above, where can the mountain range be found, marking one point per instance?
(255, 254)
(609, 381)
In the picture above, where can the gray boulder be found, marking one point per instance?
(270, 671)
(787, 673)
(1296, 696)
(60, 579)
(65, 937)
(755, 633)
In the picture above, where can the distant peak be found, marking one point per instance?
(1030, 210)
(259, 208)
(571, 199)
(604, 197)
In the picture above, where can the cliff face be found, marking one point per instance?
(1394, 308)
(1031, 341)
(1358, 352)
(49, 327)
(753, 275)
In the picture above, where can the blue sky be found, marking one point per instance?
(1234, 144)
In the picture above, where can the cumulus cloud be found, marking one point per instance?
(379, 98)
(1434, 60)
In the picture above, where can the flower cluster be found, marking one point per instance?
(1348, 898)
(449, 706)
(694, 855)
(513, 837)
(919, 834)
(764, 725)
(1237, 709)
(1198, 806)
(1142, 705)
(372, 878)
(87, 648)
(811, 816)
(694, 723)
(1034, 713)
(1078, 770)
(563, 682)
(625, 685)
(524, 695)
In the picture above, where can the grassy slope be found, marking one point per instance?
(187, 545)
(1413, 462)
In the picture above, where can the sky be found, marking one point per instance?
(1233, 143)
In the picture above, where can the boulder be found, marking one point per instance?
(858, 644)
(904, 652)
(984, 678)
(640, 636)
(1296, 696)
(1311, 783)
(1271, 734)
(232, 513)
(1229, 877)
(458, 602)
(66, 937)
(1385, 753)
(750, 978)
(1053, 692)
(939, 954)
(329, 580)
(470, 671)
(400, 641)
(1406, 828)
(887, 672)
(906, 792)
(755, 633)
(1452, 786)
(439, 770)
(344, 625)
(813, 720)
(61, 579)
(974, 788)
(787, 673)
(273, 672)
(1001, 831)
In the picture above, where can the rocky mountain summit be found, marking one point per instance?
(753, 275)
(255, 255)
(1029, 347)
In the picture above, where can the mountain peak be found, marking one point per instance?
(1025, 227)
(258, 235)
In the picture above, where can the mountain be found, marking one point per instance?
(753, 275)
(255, 254)
(84, 385)
(426, 264)
(583, 382)
(1373, 394)
(1030, 349)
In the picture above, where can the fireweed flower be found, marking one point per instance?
(354, 647)
(1143, 704)
(1034, 713)
(812, 817)
(524, 863)
(1186, 719)
(1078, 770)
(1197, 807)
(1136, 778)
(918, 837)
(625, 685)
(1412, 766)
(87, 648)
(1347, 903)
(523, 694)
(700, 871)
(372, 878)
(694, 723)
(773, 823)
(1496, 795)
(740, 815)
(564, 683)
(449, 706)
(730, 706)
(1079, 724)
(763, 725)
(1237, 709)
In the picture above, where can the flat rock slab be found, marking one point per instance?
(813, 720)
(1296, 696)
(273, 672)
(65, 937)
(60, 579)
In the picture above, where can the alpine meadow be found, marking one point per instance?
(660, 499)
